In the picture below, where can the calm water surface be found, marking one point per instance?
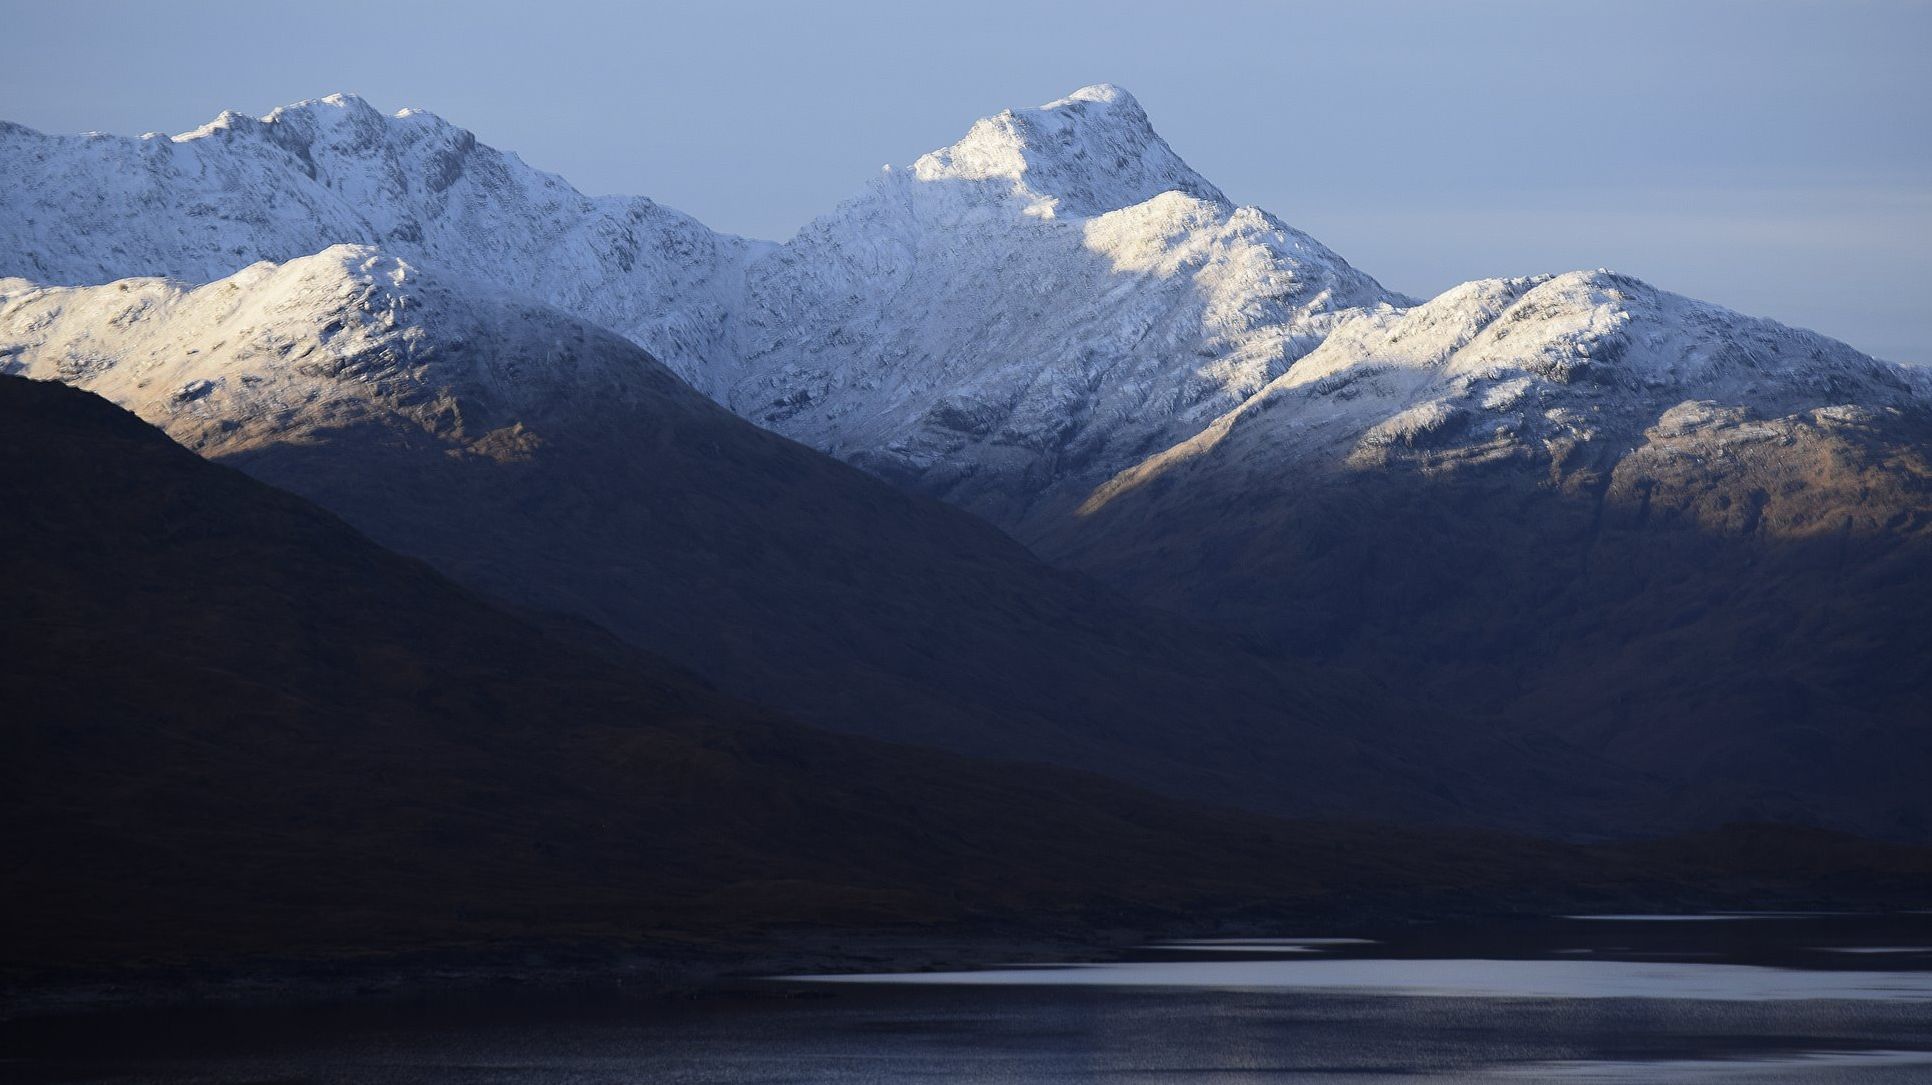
(1744, 998)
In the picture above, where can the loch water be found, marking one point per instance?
(1738, 997)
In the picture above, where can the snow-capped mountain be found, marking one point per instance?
(1046, 300)
(1011, 321)
(1555, 374)
(207, 203)
(1024, 322)
(348, 337)
(1586, 390)
(1049, 299)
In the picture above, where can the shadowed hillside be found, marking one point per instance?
(235, 725)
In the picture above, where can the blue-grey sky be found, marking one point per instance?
(1773, 156)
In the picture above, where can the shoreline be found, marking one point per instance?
(654, 972)
(699, 967)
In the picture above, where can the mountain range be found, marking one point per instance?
(1136, 481)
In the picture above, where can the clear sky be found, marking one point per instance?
(1773, 156)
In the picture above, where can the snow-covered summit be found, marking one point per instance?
(298, 122)
(1047, 299)
(330, 109)
(348, 336)
(1091, 152)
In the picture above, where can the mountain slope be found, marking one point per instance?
(549, 463)
(1698, 543)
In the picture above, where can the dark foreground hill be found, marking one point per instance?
(235, 727)
(235, 724)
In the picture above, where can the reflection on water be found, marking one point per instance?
(1805, 1066)
(1697, 917)
(1258, 945)
(1673, 1001)
(1569, 978)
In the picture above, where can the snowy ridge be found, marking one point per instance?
(1540, 372)
(1091, 152)
(348, 336)
(202, 205)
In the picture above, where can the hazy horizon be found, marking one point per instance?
(1768, 157)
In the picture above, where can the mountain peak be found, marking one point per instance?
(339, 105)
(1091, 152)
(230, 120)
(1106, 93)
(311, 115)
(308, 119)
(347, 114)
